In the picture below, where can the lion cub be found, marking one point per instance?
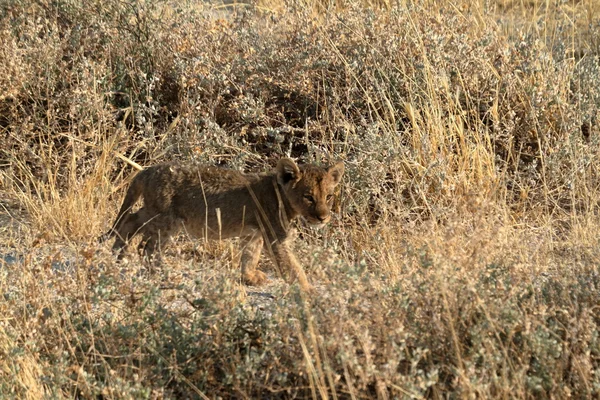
(219, 203)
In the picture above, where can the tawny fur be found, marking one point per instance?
(218, 203)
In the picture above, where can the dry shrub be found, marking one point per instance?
(465, 258)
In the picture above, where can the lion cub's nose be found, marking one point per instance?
(322, 218)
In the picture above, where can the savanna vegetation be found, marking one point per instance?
(464, 257)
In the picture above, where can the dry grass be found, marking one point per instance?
(464, 261)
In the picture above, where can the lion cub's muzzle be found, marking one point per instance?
(318, 221)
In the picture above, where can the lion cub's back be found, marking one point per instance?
(188, 181)
(212, 199)
(178, 177)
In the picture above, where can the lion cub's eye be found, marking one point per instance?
(329, 197)
(309, 198)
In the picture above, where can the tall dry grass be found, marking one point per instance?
(464, 258)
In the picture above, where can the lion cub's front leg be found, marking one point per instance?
(281, 255)
(286, 260)
(251, 248)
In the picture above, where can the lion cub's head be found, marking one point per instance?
(309, 189)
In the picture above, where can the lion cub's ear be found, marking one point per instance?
(287, 171)
(336, 171)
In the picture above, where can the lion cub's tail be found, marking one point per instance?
(133, 194)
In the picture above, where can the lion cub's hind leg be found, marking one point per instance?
(251, 247)
(126, 229)
(156, 234)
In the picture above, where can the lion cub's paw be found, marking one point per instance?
(255, 278)
(309, 289)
